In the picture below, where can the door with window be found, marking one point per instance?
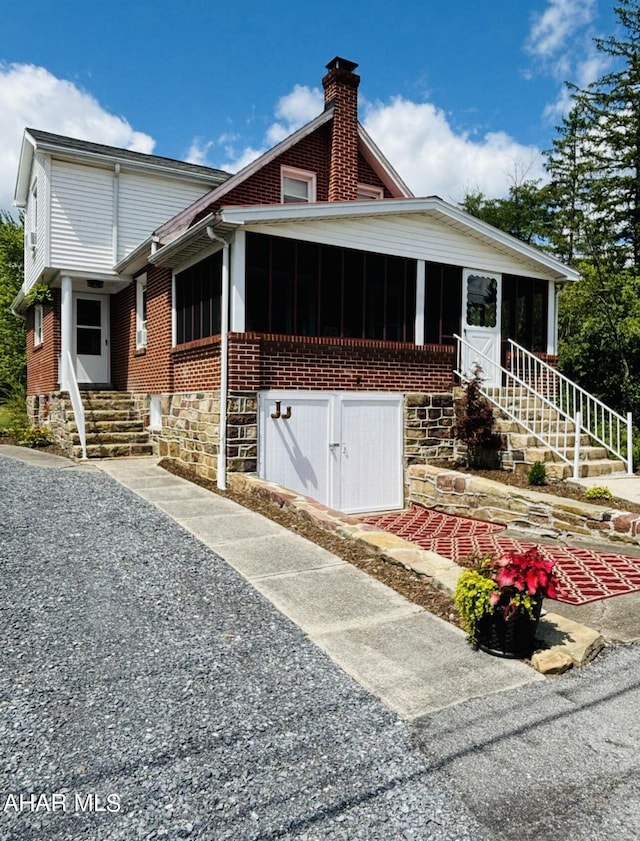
(481, 303)
(340, 448)
(91, 318)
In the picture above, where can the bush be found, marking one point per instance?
(537, 474)
(598, 492)
(36, 436)
(475, 425)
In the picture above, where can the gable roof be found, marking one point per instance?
(366, 146)
(433, 207)
(86, 150)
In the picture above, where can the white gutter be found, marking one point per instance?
(221, 478)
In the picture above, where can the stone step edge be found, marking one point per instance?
(580, 645)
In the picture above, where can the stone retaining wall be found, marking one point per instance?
(191, 431)
(519, 508)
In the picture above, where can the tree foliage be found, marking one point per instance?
(523, 214)
(12, 329)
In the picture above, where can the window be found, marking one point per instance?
(524, 311)
(367, 191)
(298, 185)
(38, 334)
(141, 312)
(306, 289)
(197, 300)
(443, 300)
(482, 300)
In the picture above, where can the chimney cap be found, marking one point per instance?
(339, 63)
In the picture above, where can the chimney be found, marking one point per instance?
(341, 91)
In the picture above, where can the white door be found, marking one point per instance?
(481, 304)
(370, 453)
(341, 449)
(294, 451)
(91, 337)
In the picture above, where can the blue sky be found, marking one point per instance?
(459, 94)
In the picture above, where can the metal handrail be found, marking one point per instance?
(76, 402)
(604, 425)
(532, 406)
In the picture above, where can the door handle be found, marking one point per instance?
(334, 445)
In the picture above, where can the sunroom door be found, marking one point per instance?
(481, 305)
(91, 315)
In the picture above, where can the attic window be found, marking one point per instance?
(368, 191)
(298, 185)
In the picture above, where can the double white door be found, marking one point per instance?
(340, 448)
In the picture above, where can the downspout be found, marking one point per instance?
(221, 478)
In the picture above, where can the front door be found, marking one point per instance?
(91, 318)
(481, 303)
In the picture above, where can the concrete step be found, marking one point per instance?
(521, 441)
(544, 454)
(108, 425)
(113, 450)
(603, 467)
(113, 438)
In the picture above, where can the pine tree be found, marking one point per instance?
(12, 332)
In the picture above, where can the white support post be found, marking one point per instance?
(221, 478)
(630, 443)
(237, 281)
(66, 330)
(576, 445)
(420, 301)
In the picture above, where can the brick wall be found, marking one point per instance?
(258, 362)
(147, 370)
(42, 362)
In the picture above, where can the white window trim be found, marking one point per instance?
(38, 327)
(304, 175)
(141, 323)
(368, 191)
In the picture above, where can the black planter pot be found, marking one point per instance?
(513, 638)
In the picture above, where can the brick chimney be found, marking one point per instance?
(341, 91)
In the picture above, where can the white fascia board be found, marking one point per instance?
(74, 155)
(185, 216)
(129, 264)
(382, 166)
(433, 206)
(25, 166)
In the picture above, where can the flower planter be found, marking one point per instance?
(514, 637)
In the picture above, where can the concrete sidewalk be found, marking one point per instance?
(413, 661)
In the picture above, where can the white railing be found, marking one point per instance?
(522, 399)
(76, 402)
(610, 429)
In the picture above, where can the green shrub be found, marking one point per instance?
(598, 492)
(36, 436)
(537, 474)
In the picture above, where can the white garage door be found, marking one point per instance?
(340, 448)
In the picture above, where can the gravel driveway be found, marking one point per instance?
(147, 691)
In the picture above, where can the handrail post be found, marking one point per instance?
(576, 448)
(630, 443)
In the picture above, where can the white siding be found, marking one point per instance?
(146, 201)
(81, 217)
(410, 235)
(34, 258)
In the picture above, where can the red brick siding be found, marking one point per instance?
(196, 367)
(149, 370)
(42, 362)
(367, 175)
(259, 361)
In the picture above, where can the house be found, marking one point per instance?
(297, 318)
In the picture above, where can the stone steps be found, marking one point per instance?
(113, 427)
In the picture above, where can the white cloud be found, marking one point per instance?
(552, 30)
(32, 97)
(420, 143)
(433, 159)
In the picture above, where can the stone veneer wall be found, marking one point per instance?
(53, 412)
(191, 431)
(520, 508)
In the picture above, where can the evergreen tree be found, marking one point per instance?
(12, 329)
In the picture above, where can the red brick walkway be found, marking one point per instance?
(583, 575)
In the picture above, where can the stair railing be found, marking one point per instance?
(76, 402)
(532, 409)
(601, 423)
